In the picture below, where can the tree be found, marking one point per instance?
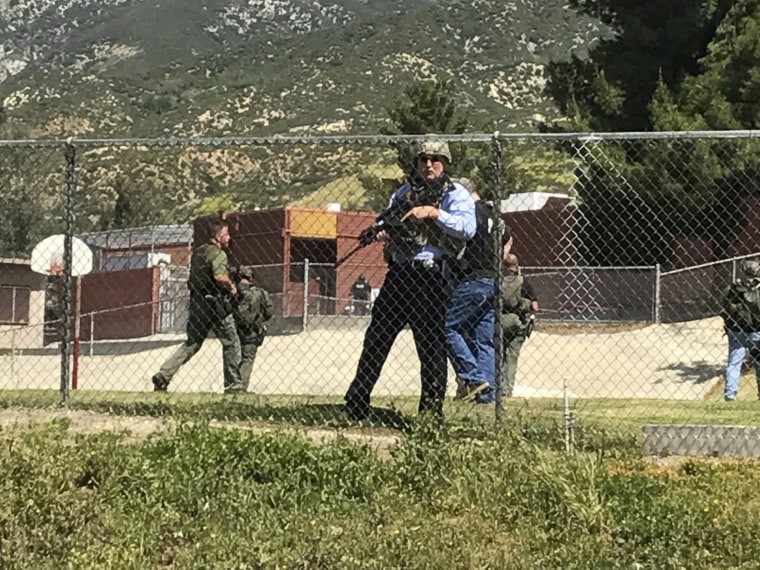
(433, 107)
(424, 107)
(724, 93)
(428, 107)
(653, 42)
(682, 65)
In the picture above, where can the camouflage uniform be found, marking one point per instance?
(252, 309)
(514, 321)
(741, 315)
(209, 310)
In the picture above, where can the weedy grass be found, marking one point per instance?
(202, 497)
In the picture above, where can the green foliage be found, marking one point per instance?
(655, 42)
(686, 65)
(428, 107)
(433, 107)
(219, 203)
(722, 93)
(31, 208)
(201, 497)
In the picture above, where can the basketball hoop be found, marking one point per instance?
(55, 269)
(47, 256)
(47, 259)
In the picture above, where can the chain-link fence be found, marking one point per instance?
(626, 241)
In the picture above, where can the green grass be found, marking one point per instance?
(199, 497)
(609, 425)
(747, 389)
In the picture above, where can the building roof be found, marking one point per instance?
(529, 201)
(140, 237)
(15, 261)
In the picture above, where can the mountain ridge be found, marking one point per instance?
(150, 68)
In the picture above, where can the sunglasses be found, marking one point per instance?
(431, 157)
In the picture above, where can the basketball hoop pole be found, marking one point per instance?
(75, 350)
(66, 257)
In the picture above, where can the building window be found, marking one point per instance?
(14, 305)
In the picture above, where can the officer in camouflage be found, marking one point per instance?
(210, 309)
(439, 217)
(518, 315)
(252, 309)
(741, 317)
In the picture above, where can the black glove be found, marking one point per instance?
(368, 236)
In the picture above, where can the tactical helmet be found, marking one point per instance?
(751, 269)
(433, 147)
(245, 272)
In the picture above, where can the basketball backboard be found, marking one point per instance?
(47, 256)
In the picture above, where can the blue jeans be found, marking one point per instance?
(469, 333)
(738, 344)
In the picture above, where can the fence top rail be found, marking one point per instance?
(581, 137)
(568, 268)
(710, 263)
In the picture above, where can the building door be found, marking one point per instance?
(173, 299)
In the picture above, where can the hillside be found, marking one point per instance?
(148, 68)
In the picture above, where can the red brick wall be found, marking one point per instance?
(104, 293)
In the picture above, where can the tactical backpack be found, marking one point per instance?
(741, 305)
(514, 302)
(253, 310)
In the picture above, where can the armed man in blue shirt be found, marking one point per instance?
(425, 227)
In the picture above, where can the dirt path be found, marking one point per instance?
(17, 420)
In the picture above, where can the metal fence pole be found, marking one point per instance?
(13, 358)
(657, 293)
(498, 195)
(68, 214)
(92, 333)
(305, 293)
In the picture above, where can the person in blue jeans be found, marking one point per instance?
(739, 344)
(470, 315)
(741, 316)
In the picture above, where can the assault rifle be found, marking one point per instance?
(391, 221)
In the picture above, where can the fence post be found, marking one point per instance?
(569, 419)
(657, 300)
(498, 196)
(68, 214)
(305, 293)
(92, 333)
(13, 357)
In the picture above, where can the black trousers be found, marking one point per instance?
(416, 296)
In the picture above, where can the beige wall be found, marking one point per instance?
(18, 273)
